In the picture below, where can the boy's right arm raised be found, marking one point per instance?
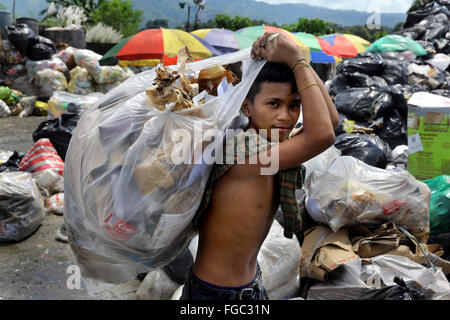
(318, 132)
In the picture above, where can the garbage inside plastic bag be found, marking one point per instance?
(14, 98)
(429, 9)
(439, 204)
(21, 206)
(395, 72)
(5, 92)
(400, 291)
(441, 92)
(440, 60)
(5, 110)
(368, 148)
(396, 43)
(62, 102)
(360, 277)
(366, 63)
(59, 131)
(50, 181)
(40, 109)
(20, 36)
(54, 64)
(393, 130)
(364, 103)
(102, 75)
(353, 192)
(40, 48)
(48, 81)
(55, 204)
(9, 55)
(128, 210)
(67, 56)
(27, 104)
(399, 157)
(42, 156)
(105, 88)
(322, 162)
(12, 164)
(81, 82)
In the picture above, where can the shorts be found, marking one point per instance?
(197, 289)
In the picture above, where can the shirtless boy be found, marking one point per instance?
(243, 202)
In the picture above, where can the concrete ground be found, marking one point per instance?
(34, 268)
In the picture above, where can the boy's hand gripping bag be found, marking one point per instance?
(128, 205)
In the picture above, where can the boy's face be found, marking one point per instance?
(275, 107)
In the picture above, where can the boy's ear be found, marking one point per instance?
(245, 108)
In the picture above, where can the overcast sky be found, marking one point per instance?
(383, 6)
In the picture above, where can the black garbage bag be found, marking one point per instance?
(368, 148)
(364, 104)
(344, 125)
(442, 92)
(20, 36)
(394, 130)
(395, 72)
(442, 45)
(430, 9)
(401, 291)
(339, 84)
(41, 48)
(179, 268)
(347, 80)
(366, 62)
(58, 131)
(13, 162)
(429, 48)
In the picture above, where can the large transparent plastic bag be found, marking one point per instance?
(21, 206)
(352, 192)
(128, 206)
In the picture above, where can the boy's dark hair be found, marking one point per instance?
(272, 72)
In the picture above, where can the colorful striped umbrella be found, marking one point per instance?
(224, 40)
(247, 36)
(153, 46)
(321, 50)
(346, 45)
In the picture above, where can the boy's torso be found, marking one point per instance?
(233, 228)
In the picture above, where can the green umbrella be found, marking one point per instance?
(109, 58)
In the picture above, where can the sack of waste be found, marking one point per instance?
(42, 156)
(129, 196)
(58, 131)
(439, 204)
(63, 102)
(352, 192)
(368, 148)
(102, 75)
(48, 81)
(21, 206)
(54, 64)
(81, 82)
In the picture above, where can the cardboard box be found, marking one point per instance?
(323, 252)
(428, 135)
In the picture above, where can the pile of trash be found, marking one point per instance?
(36, 70)
(429, 26)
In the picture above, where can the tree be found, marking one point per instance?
(120, 15)
(417, 4)
(157, 23)
(314, 26)
(88, 7)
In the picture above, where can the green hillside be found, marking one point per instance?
(281, 14)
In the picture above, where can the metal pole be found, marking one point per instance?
(14, 12)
